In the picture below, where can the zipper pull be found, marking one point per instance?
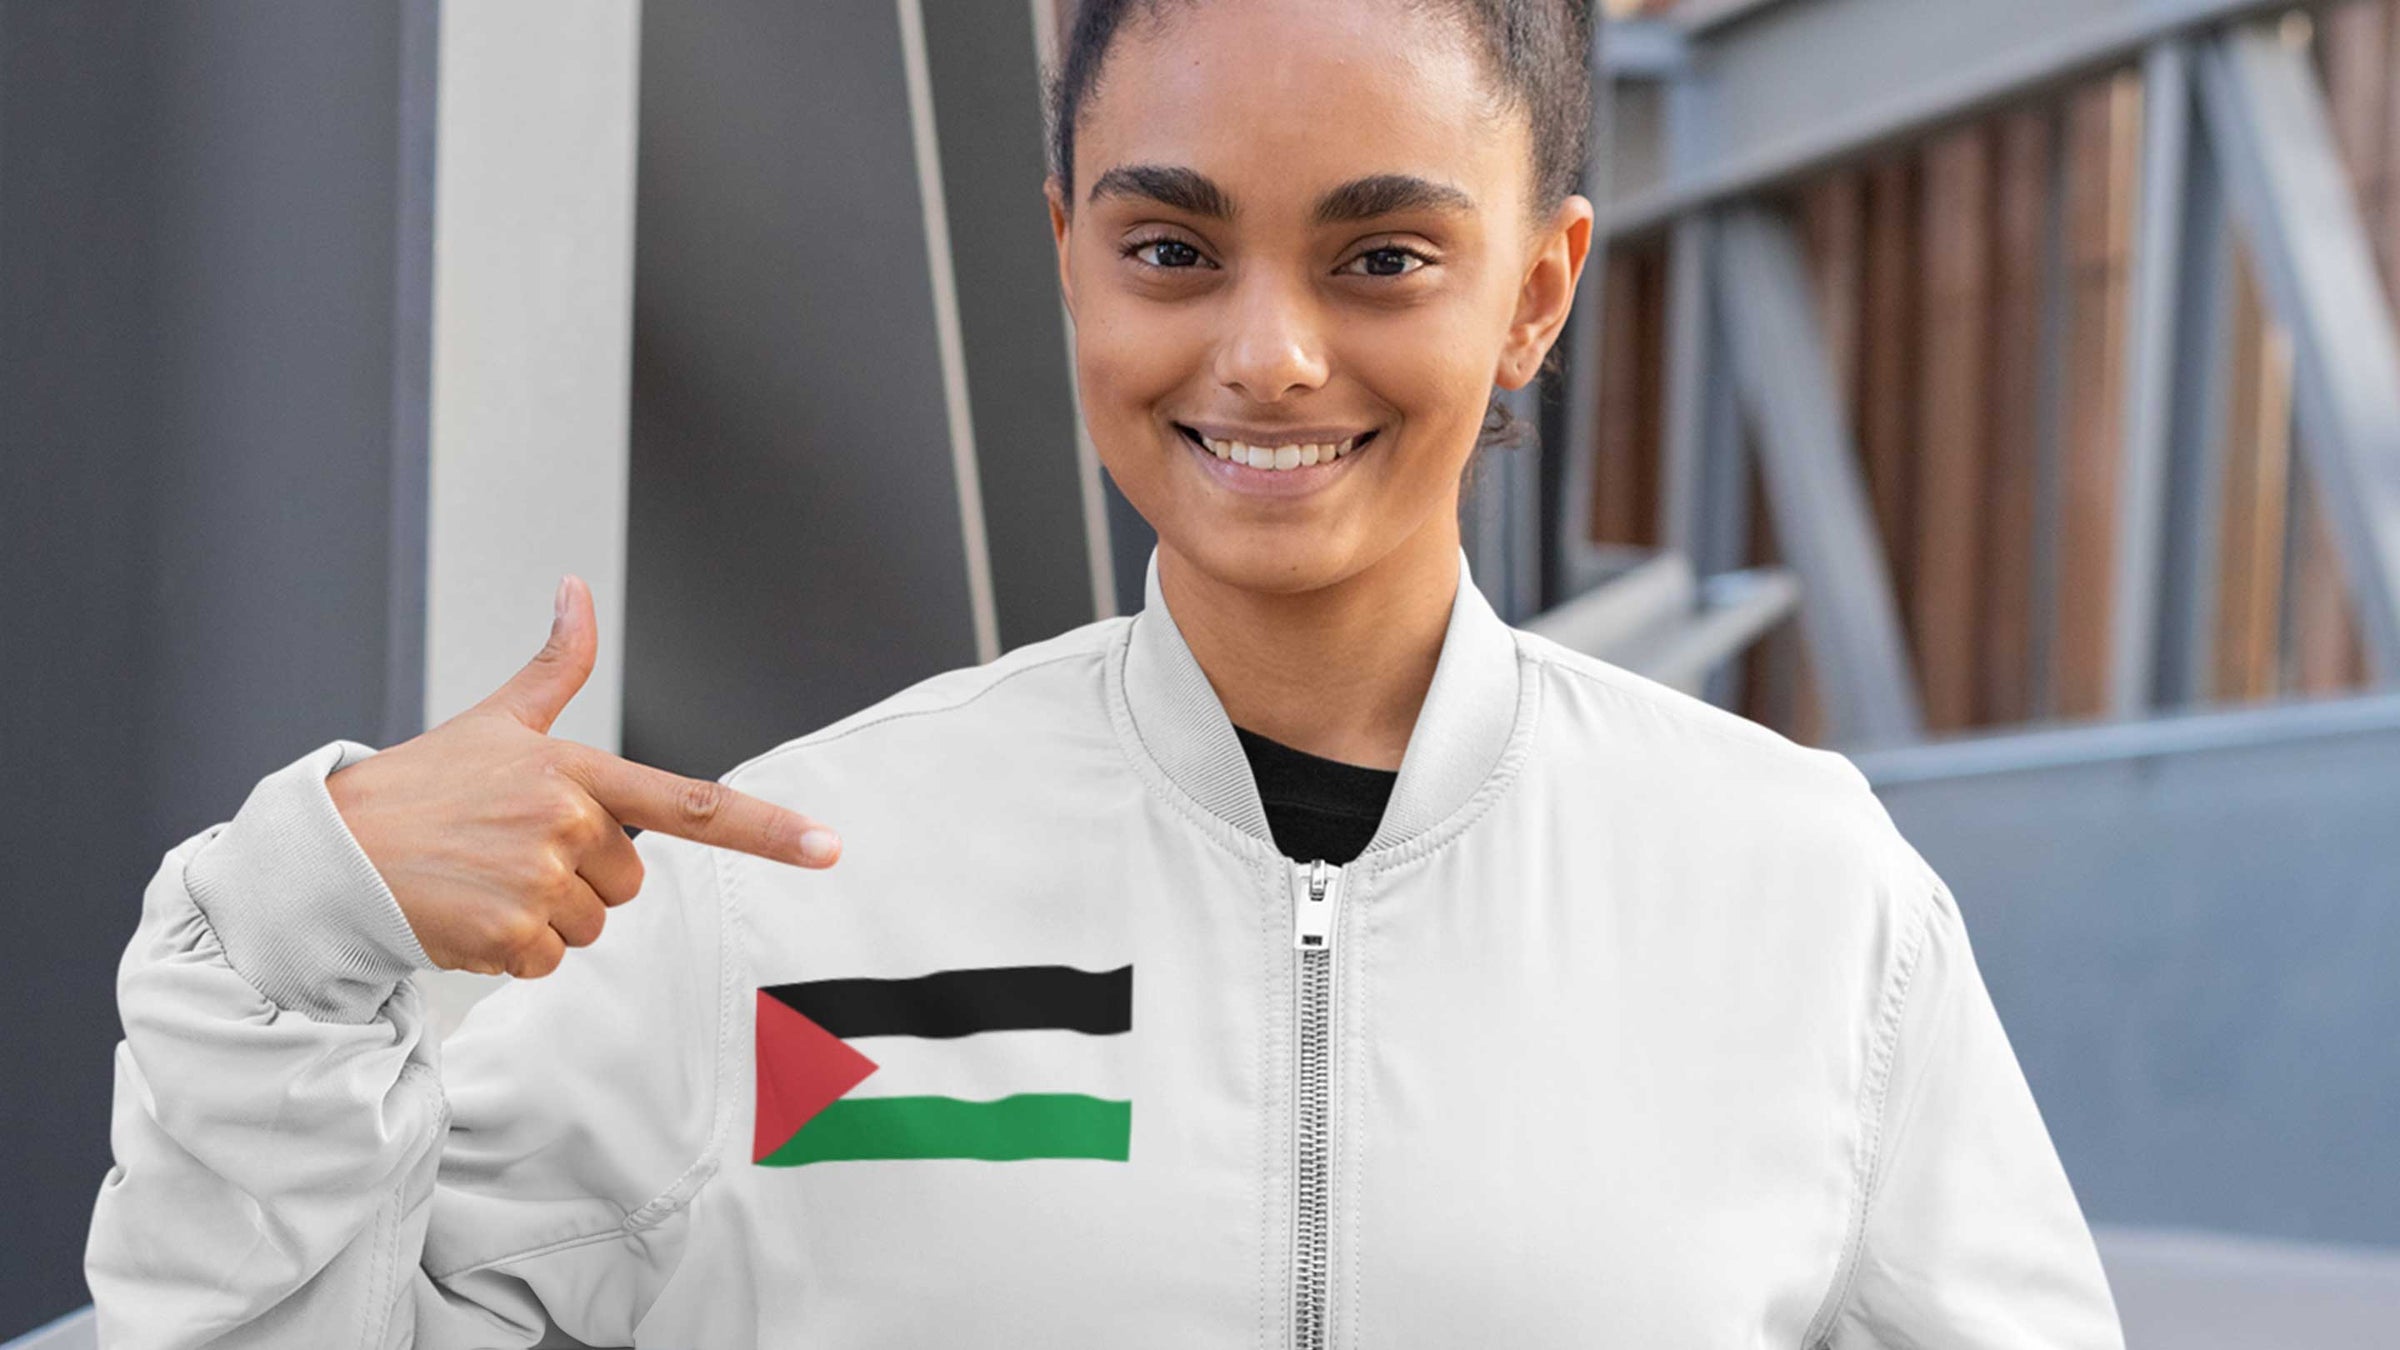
(1313, 903)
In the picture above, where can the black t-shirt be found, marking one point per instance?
(1316, 807)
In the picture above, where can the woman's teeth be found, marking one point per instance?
(1278, 456)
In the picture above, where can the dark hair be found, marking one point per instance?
(1537, 50)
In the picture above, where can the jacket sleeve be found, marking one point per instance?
(295, 1164)
(1971, 1237)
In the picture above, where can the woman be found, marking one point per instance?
(1309, 959)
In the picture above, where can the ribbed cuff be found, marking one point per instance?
(298, 905)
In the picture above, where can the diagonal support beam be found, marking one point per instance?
(2150, 382)
(1809, 462)
(2283, 172)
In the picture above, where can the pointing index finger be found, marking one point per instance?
(699, 809)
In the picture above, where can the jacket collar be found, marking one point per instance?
(1473, 705)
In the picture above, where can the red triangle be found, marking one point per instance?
(802, 1068)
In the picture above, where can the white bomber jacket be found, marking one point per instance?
(1636, 1024)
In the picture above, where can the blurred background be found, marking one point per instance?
(2002, 392)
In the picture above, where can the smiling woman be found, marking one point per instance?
(1308, 959)
(1303, 244)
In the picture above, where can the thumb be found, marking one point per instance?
(538, 692)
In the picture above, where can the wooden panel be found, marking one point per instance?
(2257, 459)
(1624, 507)
(2021, 209)
(2325, 648)
(1833, 230)
(2385, 234)
(2103, 143)
(1953, 370)
(1649, 447)
(1613, 501)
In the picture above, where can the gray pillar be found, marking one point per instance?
(213, 239)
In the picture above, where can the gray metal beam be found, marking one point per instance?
(2293, 199)
(2050, 432)
(1642, 49)
(1691, 358)
(1703, 507)
(1793, 86)
(1500, 514)
(1722, 543)
(2195, 476)
(1810, 462)
(1694, 16)
(1659, 620)
(1611, 616)
(2271, 726)
(1576, 564)
(2150, 378)
(1737, 609)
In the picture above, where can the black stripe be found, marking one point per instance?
(963, 1002)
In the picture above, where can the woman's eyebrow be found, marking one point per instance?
(1384, 194)
(1183, 189)
(1168, 185)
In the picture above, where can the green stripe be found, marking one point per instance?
(1028, 1125)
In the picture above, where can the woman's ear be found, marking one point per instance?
(1056, 196)
(1548, 292)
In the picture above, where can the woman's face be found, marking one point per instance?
(1302, 223)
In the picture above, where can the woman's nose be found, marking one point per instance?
(1273, 345)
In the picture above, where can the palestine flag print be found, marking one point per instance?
(935, 1067)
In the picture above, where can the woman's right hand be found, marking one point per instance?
(505, 847)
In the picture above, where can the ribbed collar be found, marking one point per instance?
(1461, 731)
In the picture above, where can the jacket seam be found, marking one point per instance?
(376, 1319)
(1874, 1097)
(378, 1308)
(828, 735)
(1683, 718)
(1496, 784)
(551, 1248)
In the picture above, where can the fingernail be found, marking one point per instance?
(558, 602)
(819, 846)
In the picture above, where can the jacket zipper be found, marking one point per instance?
(1316, 900)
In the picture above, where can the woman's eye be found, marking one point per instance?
(1168, 252)
(1390, 261)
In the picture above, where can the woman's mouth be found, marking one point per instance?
(1290, 469)
(1282, 458)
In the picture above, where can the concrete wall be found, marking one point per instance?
(204, 232)
(2191, 950)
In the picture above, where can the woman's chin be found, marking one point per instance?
(1260, 557)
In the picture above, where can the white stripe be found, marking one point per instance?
(994, 1064)
(946, 331)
